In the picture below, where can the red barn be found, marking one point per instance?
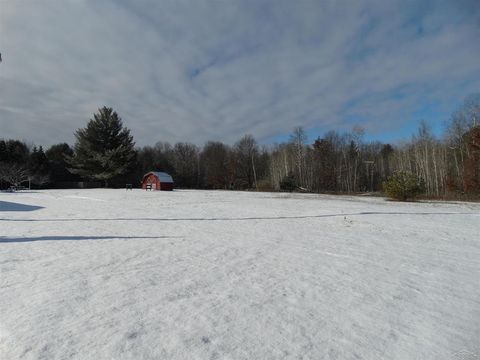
(156, 180)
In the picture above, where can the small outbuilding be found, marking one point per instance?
(156, 180)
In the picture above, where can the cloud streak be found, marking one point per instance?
(199, 70)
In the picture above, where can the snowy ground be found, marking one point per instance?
(111, 274)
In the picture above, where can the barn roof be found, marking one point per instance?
(162, 176)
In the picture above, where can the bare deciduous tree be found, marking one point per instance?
(13, 173)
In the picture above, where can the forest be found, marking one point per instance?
(336, 162)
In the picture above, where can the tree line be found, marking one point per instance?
(336, 162)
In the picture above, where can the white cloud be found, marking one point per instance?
(198, 70)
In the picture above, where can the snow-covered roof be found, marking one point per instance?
(163, 176)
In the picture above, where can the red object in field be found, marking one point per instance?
(156, 180)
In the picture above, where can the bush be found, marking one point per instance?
(288, 183)
(403, 186)
(265, 185)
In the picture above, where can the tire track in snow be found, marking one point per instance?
(243, 218)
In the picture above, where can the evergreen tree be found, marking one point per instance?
(3, 151)
(403, 186)
(38, 166)
(15, 151)
(288, 183)
(56, 156)
(324, 165)
(104, 149)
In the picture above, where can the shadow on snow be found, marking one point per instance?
(10, 206)
(243, 218)
(5, 239)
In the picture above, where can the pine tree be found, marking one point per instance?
(38, 168)
(288, 183)
(403, 186)
(104, 149)
(3, 151)
(57, 162)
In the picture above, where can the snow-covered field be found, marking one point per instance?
(115, 274)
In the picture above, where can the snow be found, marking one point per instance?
(115, 274)
(162, 176)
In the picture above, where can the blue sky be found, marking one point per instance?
(203, 70)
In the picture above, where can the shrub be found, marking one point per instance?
(403, 186)
(288, 183)
(265, 185)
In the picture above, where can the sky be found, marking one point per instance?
(199, 70)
